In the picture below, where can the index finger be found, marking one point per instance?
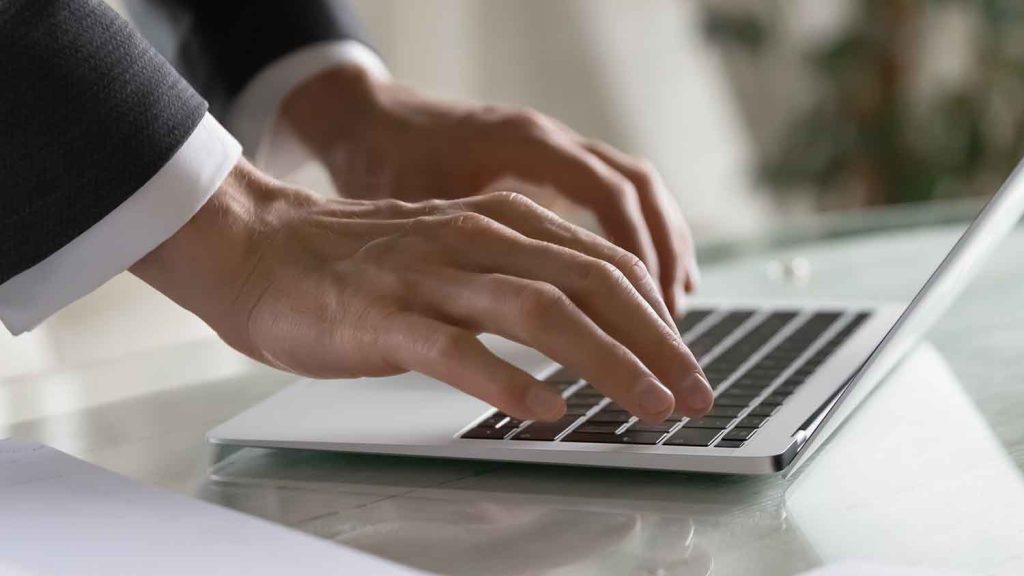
(677, 263)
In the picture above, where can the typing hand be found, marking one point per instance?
(334, 288)
(380, 140)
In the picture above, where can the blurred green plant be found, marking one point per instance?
(864, 125)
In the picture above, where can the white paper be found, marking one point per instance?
(60, 515)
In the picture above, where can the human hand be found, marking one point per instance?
(333, 288)
(379, 139)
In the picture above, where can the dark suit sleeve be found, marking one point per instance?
(89, 112)
(219, 45)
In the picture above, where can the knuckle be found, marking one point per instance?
(435, 207)
(624, 187)
(468, 221)
(593, 271)
(513, 200)
(644, 173)
(392, 205)
(632, 267)
(456, 223)
(526, 120)
(539, 302)
(620, 191)
(448, 344)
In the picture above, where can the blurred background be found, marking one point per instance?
(752, 109)
(763, 116)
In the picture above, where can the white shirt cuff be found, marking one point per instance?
(252, 118)
(140, 224)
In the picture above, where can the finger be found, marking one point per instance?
(539, 150)
(516, 212)
(676, 260)
(541, 316)
(534, 221)
(456, 357)
(597, 288)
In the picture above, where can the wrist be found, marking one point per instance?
(203, 267)
(333, 107)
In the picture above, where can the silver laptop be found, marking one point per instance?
(784, 377)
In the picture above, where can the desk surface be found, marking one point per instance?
(927, 472)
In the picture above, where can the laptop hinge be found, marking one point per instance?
(806, 430)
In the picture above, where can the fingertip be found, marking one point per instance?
(544, 403)
(697, 396)
(655, 401)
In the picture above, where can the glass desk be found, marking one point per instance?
(927, 472)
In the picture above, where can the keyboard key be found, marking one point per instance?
(713, 422)
(599, 427)
(630, 437)
(625, 438)
(729, 444)
(507, 422)
(486, 433)
(591, 437)
(494, 420)
(749, 390)
(725, 411)
(752, 422)
(775, 399)
(660, 427)
(690, 320)
(762, 410)
(693, 437)
(741, 400)
(544, 430)
(538, 434)
(740, 434)
(605, 415)
(574, 402)
(719, 332)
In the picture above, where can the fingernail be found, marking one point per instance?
(655, 399)
(697, 394)
(544, 403)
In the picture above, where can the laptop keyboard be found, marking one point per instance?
(754, 362)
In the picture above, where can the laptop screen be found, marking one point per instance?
(959, 266)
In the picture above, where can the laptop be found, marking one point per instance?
(784, 375)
